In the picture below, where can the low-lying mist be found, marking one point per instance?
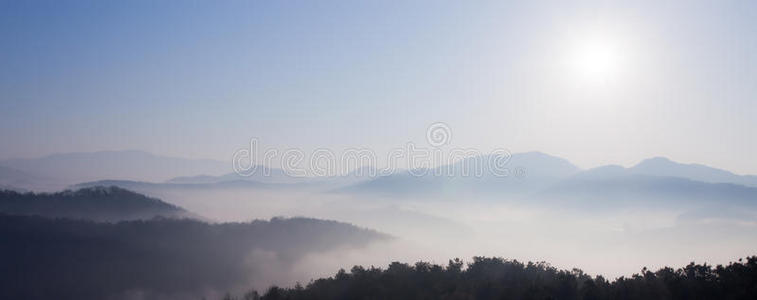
(614, 241)
(610, 221)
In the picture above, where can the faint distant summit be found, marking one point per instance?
(70, 168)
(662, 166)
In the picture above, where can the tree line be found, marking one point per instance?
(497, 278)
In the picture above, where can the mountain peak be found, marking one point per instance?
(656, 160)
(661, 166)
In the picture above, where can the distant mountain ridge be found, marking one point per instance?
(518, 173)
(261, 174)
(645, 190)
(71, 168)
(17, 180)
(661, 166)
(265, 174)
(664, 167)
(540, 174)
(525, 173)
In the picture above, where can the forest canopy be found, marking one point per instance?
(498, 278)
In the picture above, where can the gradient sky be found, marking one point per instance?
(199, 79)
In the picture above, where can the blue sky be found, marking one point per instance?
(199, 79)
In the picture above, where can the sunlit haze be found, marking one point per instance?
(378, 149)
(595, 82)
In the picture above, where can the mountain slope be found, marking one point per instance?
(521, 173)
(656, 181)
(94, 203)
(660, 166)
(157, 259)
(264, 174)
(17, 180)
(261, 174)
(71, 168)
(603, 189)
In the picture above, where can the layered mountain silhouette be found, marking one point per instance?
(268, 175)
(140, 186)
(517, 173)
(161, 258)
(538, 177)
(660, 166)
(633, 190)
(94, 203)
(17, 180)
(262, 178)
(61, 170)
(260, 174)
(531, 173)
(112, 243)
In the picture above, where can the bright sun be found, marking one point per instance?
(596, 60)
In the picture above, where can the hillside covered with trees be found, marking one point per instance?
(94, 203)
(497, 278)
(43, 258)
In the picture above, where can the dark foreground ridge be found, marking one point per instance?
(43, 258)
(497, 278)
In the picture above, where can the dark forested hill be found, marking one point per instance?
(42, 258)
(496, 278)
(94, 203)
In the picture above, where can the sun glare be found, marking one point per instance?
(596, 60)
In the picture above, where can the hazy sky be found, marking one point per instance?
(593, 82)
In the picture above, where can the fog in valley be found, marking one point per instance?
(609, 241)
(608, 221)
(318, 150)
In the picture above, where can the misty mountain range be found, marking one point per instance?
(657, 180)
(530, 173)
(163, 248)
(58, 171)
